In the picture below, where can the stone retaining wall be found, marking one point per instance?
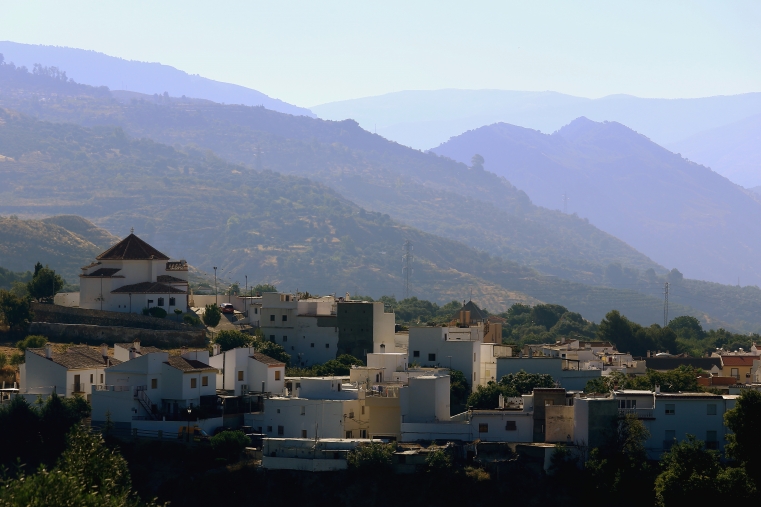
(67, 315)
(95, 335)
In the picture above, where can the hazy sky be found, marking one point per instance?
(307, 53)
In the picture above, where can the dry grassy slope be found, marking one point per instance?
(25, 242)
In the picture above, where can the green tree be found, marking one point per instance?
(373, 457)
(212, 315)
(32, 341)
(459, 390)
(263, 287)
(14, 310)
(487, 397)
(45, 283)
(744, 421)
(228, 340)
(273, 350)
(620, 467)
(438, 461)
(477, 162)
(693, 475)
(525, 383)
(230, 444)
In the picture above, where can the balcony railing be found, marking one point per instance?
(104, 387)
(78, 387)
(639, 413)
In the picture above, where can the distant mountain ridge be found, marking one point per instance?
(732, 150)
(98, 69)
(424, 119)
(677, 212)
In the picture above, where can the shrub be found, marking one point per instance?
(17, 359)
(212, 315)
(372, 457)
(230, 444)
(32, 341)
(191, 320)
(155, 311)
(3, 359)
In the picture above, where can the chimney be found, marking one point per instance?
(104, 350)
(49, 350)
(132, 354)
(136, 345)
(216, 349)
(657, 389)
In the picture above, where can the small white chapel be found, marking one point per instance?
(133, 275)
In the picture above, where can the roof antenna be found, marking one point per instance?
(132, 230)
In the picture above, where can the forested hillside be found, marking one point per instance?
(432, 193)
(272, 227)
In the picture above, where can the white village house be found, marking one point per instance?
(243, 370)
(133, 275)
(74, 371)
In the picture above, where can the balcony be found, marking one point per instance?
(78, 387)
(639, 413)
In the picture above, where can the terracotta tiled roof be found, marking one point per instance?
(169, 279)
(132, 248)
(147, 288)
(738, 360)
(78, 357)
(143, 349)
(104, 272)
(266, 359)
(187, 365)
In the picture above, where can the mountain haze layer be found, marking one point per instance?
(732, 150)
(426, 118)
(679, 213)
(98, 69)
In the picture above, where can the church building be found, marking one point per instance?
(133, 275)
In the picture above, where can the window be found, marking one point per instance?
(670, 409)
(431, 357)
(240, 374)
(712, 440)
(711, 409)
(204, 381)
(278, 411)
(193, 383)
(415, 353)
(327, 345)
(303, 433)
(312, 345)
(269, 429)
(735, 373)
(363, 410)
(280, 431)
(474, 376)
(161, 302)
(256, 310)
(349, 434)
(285, 338)
(483, 428)
(277, 374)
(154, 383)
(351, 415)
(172, 302)
(362, 433)
(474, 357)
(285, 318)
(91, 377)
(272, 318)
(510, 426)
(150, 301)
(101, 378)
(303, 410)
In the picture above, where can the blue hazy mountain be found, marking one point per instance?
(675, 211)
(427, 118)
(732, 150)
(98, 69)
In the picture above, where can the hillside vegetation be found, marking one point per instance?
(25, 242)
(432, 193)
(272, 227)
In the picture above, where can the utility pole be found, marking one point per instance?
(407, 269)
(215, 285)
(665, 304)
(245, 301)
